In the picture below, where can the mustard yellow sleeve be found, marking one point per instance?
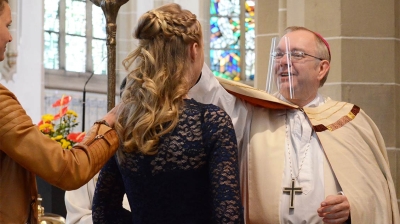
(21, 140)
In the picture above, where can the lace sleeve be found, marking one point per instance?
(224, 168)
(108, 196)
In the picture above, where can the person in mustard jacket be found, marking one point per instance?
(26, 152)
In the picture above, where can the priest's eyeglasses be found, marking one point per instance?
(294, 55)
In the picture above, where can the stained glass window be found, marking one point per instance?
(250, 39)
(228, 53)
(68, 42)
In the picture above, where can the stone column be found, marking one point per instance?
(204, 17)
(267, 20)
(127, 19)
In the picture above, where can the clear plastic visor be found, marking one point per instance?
(280, 78)
(291, 73)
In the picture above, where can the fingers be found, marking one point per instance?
(111, 116)
(334, 209)
(116, 108)
(333, 200)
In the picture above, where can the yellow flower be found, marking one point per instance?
(47, 118)
(58, 137)
(72, 112)
(65, 144)
(46, 127)
(60, 130)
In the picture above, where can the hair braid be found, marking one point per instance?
(156, 85)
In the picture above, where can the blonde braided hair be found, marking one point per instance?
(157, 84)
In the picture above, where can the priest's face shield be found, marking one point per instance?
(287, 75)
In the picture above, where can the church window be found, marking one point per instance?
(74, 49)
(74, 36)
(228, 51)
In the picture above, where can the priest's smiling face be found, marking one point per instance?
(304, 67)
(5, 22)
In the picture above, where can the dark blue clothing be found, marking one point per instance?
(194, 177)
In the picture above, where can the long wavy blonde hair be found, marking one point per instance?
(155, 89)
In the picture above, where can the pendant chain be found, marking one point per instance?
(290, 156)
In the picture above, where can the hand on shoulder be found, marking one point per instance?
(111, 116)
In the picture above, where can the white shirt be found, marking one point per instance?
(302, 150)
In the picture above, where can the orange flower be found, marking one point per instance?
(63, 101)
(62, 112)
(76, 136)
(59, 127)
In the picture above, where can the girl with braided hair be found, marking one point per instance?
(177, 162)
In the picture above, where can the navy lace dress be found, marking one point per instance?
(193, 179)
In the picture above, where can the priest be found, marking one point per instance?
(305, 158)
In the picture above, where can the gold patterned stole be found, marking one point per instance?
(332, 116)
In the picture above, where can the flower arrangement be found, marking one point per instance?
(61, 131)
